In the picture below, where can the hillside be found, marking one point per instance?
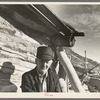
(20, 50)
(16, 48)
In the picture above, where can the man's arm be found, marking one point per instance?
(57, 87)
(26, 84)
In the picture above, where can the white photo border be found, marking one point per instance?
(37, 96)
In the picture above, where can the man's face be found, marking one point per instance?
(43, 65)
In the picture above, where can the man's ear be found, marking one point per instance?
(35, 60)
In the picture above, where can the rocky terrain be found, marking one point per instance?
(21, 50)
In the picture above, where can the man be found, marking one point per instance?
(7, 69)
(42, 78)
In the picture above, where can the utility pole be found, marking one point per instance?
(85, 61)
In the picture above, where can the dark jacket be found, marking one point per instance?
(31, 82)
(5, 84)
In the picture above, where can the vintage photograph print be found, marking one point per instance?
(50, 49)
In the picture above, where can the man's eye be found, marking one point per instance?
(40, 60)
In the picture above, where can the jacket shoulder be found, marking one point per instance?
(31, 72)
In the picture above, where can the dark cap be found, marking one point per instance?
(8, 68)
(45, 53)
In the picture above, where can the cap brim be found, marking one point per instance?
(45, 57)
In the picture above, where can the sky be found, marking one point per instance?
(84, 18)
